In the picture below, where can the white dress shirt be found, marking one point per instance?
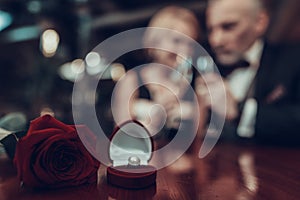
(240, 81)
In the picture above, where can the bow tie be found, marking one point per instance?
(225, 70)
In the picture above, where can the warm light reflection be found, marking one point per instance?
(77, 66)
(247, 165)
(117, 71)
(95, 64)
(92, 59)
(47, 111)
(182, 165)
(49, 42)
(72, 70)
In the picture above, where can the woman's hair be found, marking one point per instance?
(168, 18)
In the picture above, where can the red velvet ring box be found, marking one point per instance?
(131, 141)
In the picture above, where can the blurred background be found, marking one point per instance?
(44, 42)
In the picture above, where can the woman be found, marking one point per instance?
(159, 93)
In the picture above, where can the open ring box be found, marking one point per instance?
(130, 150)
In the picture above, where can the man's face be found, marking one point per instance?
(232, 29)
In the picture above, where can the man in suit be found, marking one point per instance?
(262, 100)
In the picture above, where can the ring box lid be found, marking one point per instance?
(130, 139)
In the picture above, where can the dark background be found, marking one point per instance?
(29, 81)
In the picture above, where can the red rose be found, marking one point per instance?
(51, 155)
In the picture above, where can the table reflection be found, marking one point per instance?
(230, 171)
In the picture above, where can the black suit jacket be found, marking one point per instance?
(277, 91)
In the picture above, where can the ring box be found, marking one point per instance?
(131, 140)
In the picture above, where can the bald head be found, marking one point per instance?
(234, 26)
(249, 6)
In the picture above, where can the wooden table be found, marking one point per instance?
(230, 171)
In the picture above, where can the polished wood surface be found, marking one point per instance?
(230, 171)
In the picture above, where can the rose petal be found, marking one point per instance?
(47, 121)
(53, 156)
